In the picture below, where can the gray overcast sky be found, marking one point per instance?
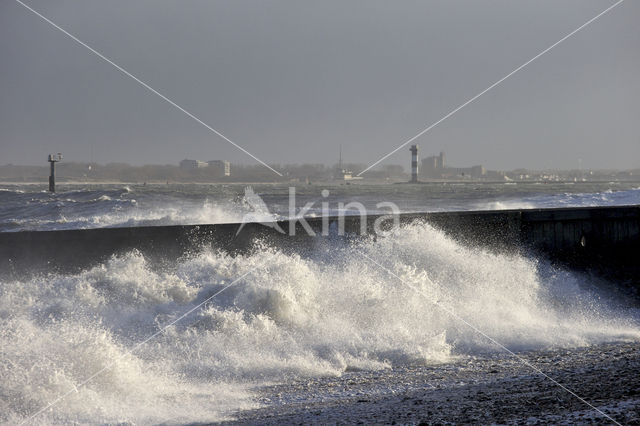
(293, 80)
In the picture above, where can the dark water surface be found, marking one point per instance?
(31, 207)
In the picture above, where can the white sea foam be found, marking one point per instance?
(506, 205)
(15, 191)
(607, 197)
(127, 213)
(290, 316)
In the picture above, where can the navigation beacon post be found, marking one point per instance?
(53, 159)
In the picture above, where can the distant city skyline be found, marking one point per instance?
(292, 82)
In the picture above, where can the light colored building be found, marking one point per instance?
(222, 167)
(219, 168)
(192, 164)
(347, 175)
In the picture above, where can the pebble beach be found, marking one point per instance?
(492, 389)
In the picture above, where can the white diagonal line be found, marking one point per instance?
(143, 84)
(422, 132)
(494, 341)
(136, 347)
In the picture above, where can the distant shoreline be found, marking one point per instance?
(321, 183)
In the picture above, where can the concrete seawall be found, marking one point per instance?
(605, 240)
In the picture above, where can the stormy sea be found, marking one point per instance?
(410, 328)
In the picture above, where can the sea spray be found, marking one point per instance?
(322, 313)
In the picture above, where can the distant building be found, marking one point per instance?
(473, 171)
(220, 167)
(429, 164)
(217, 168)
(192, 164)
(347, 175)
(434, 167)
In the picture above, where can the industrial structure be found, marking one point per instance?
(434, 167)
(435, 162)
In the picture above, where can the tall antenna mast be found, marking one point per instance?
(340, 160)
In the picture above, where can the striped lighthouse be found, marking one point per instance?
(414, 163)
